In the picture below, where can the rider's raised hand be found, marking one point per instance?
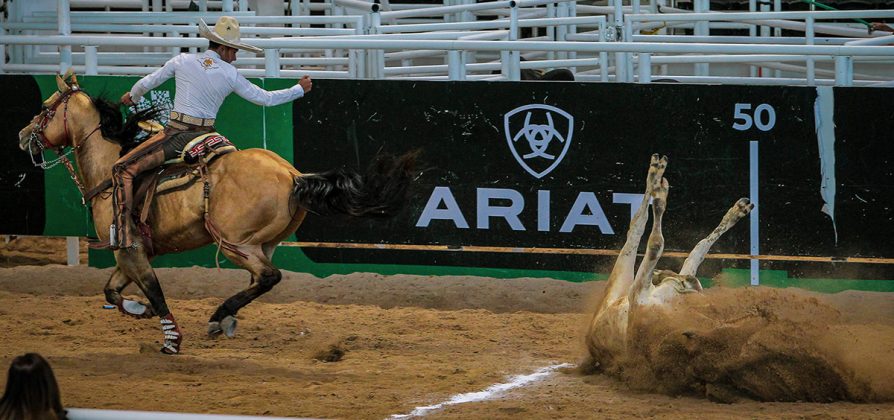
(306, 83)
(126, 99)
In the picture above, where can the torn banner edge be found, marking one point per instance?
(824, 116)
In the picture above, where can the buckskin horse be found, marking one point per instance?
(256, 200)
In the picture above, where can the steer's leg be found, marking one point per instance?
(622, 274)
(739, 210)
(654, 247)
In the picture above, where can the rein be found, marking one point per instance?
(39, 141)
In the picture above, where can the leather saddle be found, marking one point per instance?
(175, 174)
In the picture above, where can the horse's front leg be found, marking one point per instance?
(117, 282)
(135, 264)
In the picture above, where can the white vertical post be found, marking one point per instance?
(629, 71)
(226, 5)
(504, 64)
(755, 220)
(63, 13)
(844, 71)
(513, 21)
(603, 56)
(752, 32)
(271, 62)
(305, 8)
(15, 15)
(702, 29)
(645, 68)
(2, 48)
(777, 32)
(467, 15)
(193, 50)
(455, 66)
(572, 12)
(353, 65)
(90, 60)
(203, 6)
(376, 57)
(514, 56)
(811, 62)
(362, 64)
(156, 7)
(551, 30)
(562, 30)
(174, 50)
(328, 53)
(620, 57)
(764, 32)
(73, 250)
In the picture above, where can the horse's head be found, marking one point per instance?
(48, 129)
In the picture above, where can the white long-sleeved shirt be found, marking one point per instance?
(204, 80)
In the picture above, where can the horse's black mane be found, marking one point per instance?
(113, 125)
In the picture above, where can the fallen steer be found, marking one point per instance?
(628, 288)
(725, 344)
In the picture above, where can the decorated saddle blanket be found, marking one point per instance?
(205, 147)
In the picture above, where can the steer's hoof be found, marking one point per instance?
(228, 325)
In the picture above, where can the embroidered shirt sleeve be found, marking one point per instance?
(259, 96)
(154, 79)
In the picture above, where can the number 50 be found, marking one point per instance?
(764, 117)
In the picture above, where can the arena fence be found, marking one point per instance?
(822, 219)
(358, 39)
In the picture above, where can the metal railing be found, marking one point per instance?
(358, 39)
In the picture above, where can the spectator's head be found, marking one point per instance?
(31, 391)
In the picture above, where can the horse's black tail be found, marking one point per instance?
(380, 192)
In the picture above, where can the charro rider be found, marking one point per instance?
(203, 81)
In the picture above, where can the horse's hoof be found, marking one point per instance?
(228, 325)
(214, 329)
(135, 309)
(168, 350)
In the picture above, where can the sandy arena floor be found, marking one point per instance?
(406, 341)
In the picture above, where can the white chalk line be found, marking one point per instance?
(491, 392)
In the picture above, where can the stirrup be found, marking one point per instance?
(113, 236)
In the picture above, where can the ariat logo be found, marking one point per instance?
(538, 136)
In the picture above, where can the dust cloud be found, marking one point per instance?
(760, 343)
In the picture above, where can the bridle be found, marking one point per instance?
(38, 142)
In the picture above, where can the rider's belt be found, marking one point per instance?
(189, 119)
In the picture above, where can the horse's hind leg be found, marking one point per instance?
(739, 210)
(117, 282)
(263, 277)
(134, 264)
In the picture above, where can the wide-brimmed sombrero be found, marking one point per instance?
(225, 32)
